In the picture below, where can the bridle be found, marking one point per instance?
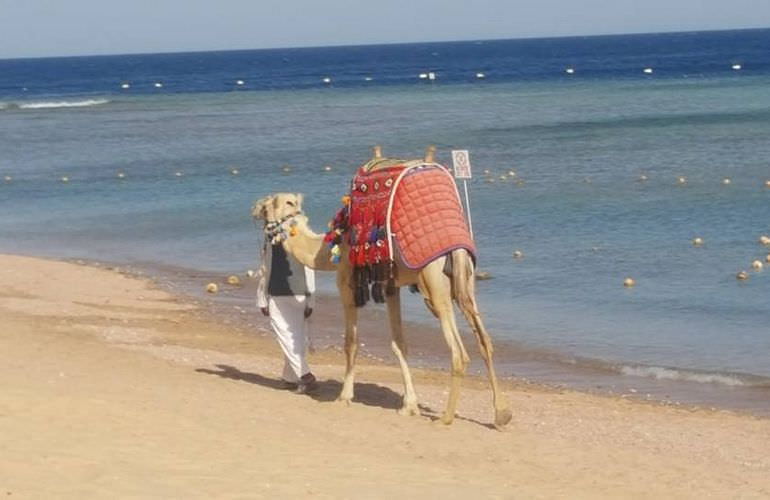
(276, 230)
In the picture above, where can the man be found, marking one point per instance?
(285, 294)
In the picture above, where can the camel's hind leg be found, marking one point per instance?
(437, 288)
(398, 345)
(351, 336)
(464, 292)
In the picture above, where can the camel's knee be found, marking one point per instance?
(459, 365)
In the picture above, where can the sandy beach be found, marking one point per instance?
(115, 388)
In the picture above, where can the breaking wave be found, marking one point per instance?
(82, 103)
(661, 373)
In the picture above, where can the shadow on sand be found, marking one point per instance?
(328, 390)
(366, 393)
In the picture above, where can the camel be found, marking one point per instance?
(282, 213)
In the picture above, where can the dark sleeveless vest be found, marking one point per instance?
(287, 274)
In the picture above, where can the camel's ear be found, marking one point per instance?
(263, 208)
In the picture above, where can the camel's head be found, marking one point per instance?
(277, 207)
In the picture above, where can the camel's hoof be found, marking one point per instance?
(447, 419)
(502, 417)
(344, 401)
(408, 411)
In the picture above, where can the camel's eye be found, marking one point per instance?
(291, 203)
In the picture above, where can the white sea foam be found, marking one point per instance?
(661, 373)
(63, 104)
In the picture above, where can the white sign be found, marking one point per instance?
(461, 163)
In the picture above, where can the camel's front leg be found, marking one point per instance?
(351, 339)
(409, 403)
(351, 349)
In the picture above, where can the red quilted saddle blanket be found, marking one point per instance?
(427, 218)
(426, 215)
(426, 221)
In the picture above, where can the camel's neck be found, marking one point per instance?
(308, 247)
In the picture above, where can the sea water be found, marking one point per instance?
(579, 144)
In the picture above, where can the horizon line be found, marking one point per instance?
(379, 44)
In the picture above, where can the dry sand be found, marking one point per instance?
(113, 389)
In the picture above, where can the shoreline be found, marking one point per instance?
(116, 387)
(516, 363)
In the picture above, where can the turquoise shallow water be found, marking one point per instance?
(582, 218)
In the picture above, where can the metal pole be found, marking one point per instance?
(468, 206)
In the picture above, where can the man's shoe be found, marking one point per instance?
(307, 383)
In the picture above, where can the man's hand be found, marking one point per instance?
(308, 311)
(265, 311)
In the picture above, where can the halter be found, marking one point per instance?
(277, 232)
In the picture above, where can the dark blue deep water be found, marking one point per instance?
(578, 143)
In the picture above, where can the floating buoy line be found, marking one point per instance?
(425, 75)
(487, 176)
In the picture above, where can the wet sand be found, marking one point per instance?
(114, 387)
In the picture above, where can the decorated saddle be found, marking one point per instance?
(396, 209)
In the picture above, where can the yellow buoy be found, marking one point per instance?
(767, 184)
(65, 179)
(250, 273)
(178, 173)
(7, 178)
(629, 282)
(286, 168)
(757, 265)
(643, 178)
(726, 181)
(233, 280)
(682, 180)
(767, 258)
(518, 254)
(697, 241)
(764, 240)
(742, 276)
(212, 288)
(235, 171)
(327, 168)
(121, 175)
